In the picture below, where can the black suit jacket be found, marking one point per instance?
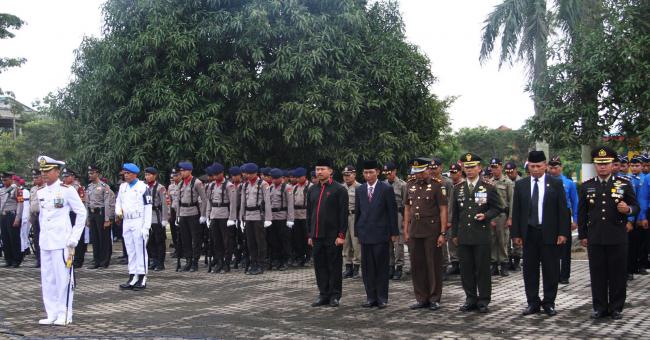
(555, 213)
(375, 221)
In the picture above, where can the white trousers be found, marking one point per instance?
(24, 234)
(57, 282)
(136, 247)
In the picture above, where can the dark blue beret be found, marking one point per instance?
(249, 168)
(218, 168)
(235, 170)
(185, 166)
(299, 172)
(151, 170)
(276, 173)
(266, 171)
(211, 170)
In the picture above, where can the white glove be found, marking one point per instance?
(71, 244)
(202, 219)
(267, 224)
(145, 234)
(242, 226)
(290, 224)
(178, 220)
(165, 224)
(208, 222)
(230, 223)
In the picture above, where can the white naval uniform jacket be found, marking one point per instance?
(55, 202)
(134, 204)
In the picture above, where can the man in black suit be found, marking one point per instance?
(375, 225)
(540, 222)
(327, 220)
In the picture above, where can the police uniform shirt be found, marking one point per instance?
(56, 201)
(11, 201)
(172, 190)
(399, 186)
(505, 188)
(255, 201)
(351, 195)
(191, 199)
(222, 200)
(160, 209)
(300, 200)
(424, 199)
(98, 196)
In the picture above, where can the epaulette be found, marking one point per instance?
(437, 180)
(411, 180)
(459, 183)
(623, 178)
(487, 181)
(593, 179)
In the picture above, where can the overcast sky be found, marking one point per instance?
(447, 31)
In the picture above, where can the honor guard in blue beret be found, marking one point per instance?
(255, 214)
(191, 206)
(282, 217)
(301, 251)
(156, 247)
(221, 216)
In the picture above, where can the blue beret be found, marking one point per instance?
(291, 173)
(151, 170)
(266, 171)
(285, 173)
(130, 167)
(218, 168)
(299, 172)
(276, 173)
(235, 170)
(210, 170)
(249, 168)
(185, 166)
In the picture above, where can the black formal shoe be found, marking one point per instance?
(127, 284)
(434, 306)
(7, 265)
(188, 265)
(94, 266)
(495, 269)
(398, 273)
(355, 271)
(141, 284)
(382, 305)
(616, 315)
(564, 281)
(225, 269)
(630, 277)
(391, 271)
(467, 307)
(369, 304)
(530, 310)
(159, 267)
(16, 265)
(504, 269)
(419, 305)
(320, 302)
(347, 274)
(598, 314)
(194, 266)
(642, 271)
(334, 302)
(550, 310)
(283, 267)
(483, 309)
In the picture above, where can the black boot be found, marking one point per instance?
(127, 284)
(152, 264)
(511, 263)
(141, 284)
(160, 266)
(391, 272)
(225, 268)
(188, 265)
(348, 271)
(516, 265)
(217, 266)
(355, 271)
(398, 273)
(495, 269)
(194, 265)
(504, 269)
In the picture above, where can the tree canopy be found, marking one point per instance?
(276, 82)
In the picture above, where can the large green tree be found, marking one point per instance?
(279, 82)
(8, 23)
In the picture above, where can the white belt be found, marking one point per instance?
(133, 216)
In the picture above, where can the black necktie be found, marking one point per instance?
(533, 218)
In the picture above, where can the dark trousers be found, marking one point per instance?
(241, 249)
(565, 260)
(156, 246)
(475, 273)
(375, 260)
(328, 260)
(278, 236)
(426, 269)
(11, 239)
(607, 269)
(100, 238)
(256, 240)
(173, 227)
(191, 232)
(299, 240)
(223, 240)
(548, 255)
(36, 229)
(81, 248)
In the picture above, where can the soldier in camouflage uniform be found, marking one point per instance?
(500, 232)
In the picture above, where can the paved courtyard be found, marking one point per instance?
(276, 306)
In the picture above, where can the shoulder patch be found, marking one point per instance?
(622, 178)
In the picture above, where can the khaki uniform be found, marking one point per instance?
(501, 233)
(397, 248)
(11, 211)
(449, 252)
(190, 204)
(424, 200)
(514, 251)
(299, 231)
(351, 247)
(254, 211)
(98, 201)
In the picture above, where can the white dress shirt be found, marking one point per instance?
(541, 186)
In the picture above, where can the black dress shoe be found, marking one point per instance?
(483, 309)
(141, 284)
(320, 302)
(616, 315)
(369, 304)
(642, 271)
(334, 302)
(550, 310)
(434, 306)
(127, 284)
(94, 266)
(564, 281)
(630, 277)
(531, 310)
(7, 265)
(382, 305)
(419, 305)
(597, 314)
(467, 307)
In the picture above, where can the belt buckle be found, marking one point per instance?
(417, 216)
